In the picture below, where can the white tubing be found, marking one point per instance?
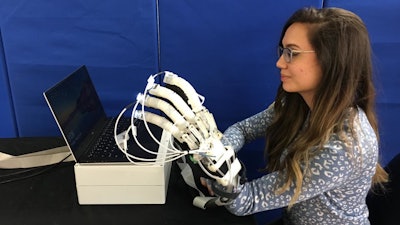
(173, 97)
(159, 121)
(187, 88)
(166, 125)
(168, 109)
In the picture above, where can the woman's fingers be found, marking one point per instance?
(207, 183)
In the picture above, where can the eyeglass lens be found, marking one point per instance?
(286, 52)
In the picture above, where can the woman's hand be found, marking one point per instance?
(207, 183)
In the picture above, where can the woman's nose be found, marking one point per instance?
(281, 63)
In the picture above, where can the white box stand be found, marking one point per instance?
(124, 183)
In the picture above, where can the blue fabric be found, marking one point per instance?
(227, 49)
(6, 110)
(381, 19)
(45, 41)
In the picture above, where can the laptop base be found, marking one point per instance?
(123, 183)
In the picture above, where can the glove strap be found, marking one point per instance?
(224, 192)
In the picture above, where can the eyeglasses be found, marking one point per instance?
(289, 53)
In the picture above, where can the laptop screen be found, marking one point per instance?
(76, 106)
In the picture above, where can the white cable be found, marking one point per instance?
(175, 99)
(159, 121)
(152, 152)
(168, 109)
(141, 100)
(187, 88)
(124, 148)
(149, 85)
(192, 125)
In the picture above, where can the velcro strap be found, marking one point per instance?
(224, 192)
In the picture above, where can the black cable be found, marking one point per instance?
(27, 171)
(18, 172)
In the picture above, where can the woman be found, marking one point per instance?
(321, 131)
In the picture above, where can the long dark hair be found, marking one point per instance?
(341, 42)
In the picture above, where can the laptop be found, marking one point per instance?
(87, 130)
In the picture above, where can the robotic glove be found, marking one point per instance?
(225, 194)
(191, 124)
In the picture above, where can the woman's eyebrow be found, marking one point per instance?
(291, 45)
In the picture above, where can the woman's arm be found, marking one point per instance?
(327, 170)
(248, 129)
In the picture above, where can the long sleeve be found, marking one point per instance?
(249, 129)
(328, 170)
(334, 188)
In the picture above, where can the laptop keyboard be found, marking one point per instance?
(106, 148)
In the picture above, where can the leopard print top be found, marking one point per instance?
(335, 190)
